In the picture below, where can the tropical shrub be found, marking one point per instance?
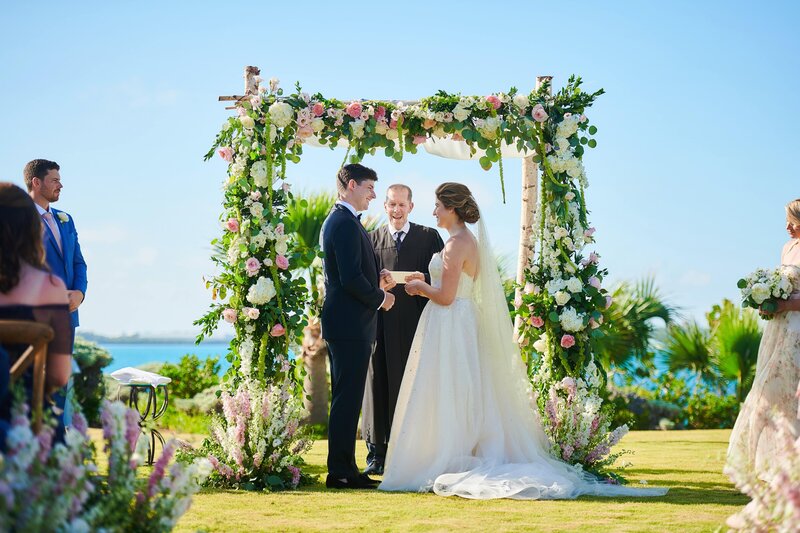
(191, 376)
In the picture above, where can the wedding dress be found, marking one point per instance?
(465, 424)
(754, 442)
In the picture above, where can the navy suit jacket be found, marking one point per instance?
(67, 263)
(352, 287)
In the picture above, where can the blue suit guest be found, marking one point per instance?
(62, 249)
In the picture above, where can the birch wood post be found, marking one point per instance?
(528, 204)
(251, 80)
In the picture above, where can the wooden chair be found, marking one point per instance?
(36, 336)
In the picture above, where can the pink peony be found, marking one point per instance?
(252, 313)
(419, 139)
(318, 109)
(282, 262)
(538, 113)
(594, 282)
(229, 315)
(353, 109)
(277, 330)
(233, 225)
(226, 153)
(495, 101)
(252, 266)
(567, 341)
(537, 322)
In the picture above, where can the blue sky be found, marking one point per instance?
(695, 144)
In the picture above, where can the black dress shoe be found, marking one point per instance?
(348, 483)
(367, 480)
(375, 468)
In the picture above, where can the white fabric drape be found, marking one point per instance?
(447, 148)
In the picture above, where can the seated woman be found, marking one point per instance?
(27, 289)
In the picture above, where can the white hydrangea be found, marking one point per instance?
(555, 285)
(571, 320)
(262, 292)
(281, 113)
(259, 173)
(568, 126)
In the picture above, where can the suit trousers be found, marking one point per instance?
(349, 364)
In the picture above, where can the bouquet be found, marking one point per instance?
(763, 288)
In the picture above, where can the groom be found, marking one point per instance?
(355, 290)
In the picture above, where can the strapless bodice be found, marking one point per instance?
(436, 269)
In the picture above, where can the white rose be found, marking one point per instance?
(317, 125)
(281, 246)
(357, 128)
(247, 122)
(574, 285)
(281, 114)
(521, 101)
(257, 210)
(540, 345)
(259, 173)
(381, 128)
(392, 135)
(460, 113)
(759, 293)
(262, 292)
(562, 297)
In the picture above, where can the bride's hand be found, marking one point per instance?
(414, 287)
(415, 275)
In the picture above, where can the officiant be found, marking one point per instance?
(407, 247)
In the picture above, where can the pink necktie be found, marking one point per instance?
(48, 218)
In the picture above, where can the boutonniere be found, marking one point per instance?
(63, 217)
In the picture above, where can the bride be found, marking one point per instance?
(465, 424)
(754, 441)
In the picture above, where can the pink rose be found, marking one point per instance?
(282, 262)
(419, 139)
(252, 266)
(305, 132)
(364, 115)
(538, 113)
(609, 301)
(251, 312)
(537, 322)
(353, 109)
(277, 330)
(229, 315)
(279, 229)
(380, 113)
(318, 109)
(393, 124)
(495, 101)
(567, 341)
(226, 153)
(233, 225)
(594, 282)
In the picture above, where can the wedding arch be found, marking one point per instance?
(559, 298)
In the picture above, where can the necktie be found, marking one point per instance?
(398, 240)
(358, 216)
(48, 219)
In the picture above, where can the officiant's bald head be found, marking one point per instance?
(398, 204)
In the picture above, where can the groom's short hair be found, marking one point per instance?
(356, 172)
(38, 168)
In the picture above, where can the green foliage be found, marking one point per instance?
(191, 375)
(737, 336)
(89, 385)
(711, 411)
(689, 348)
(627, 332)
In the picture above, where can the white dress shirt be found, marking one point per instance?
(393, 232)
(49, 218)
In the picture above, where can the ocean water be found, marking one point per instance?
(139, 354)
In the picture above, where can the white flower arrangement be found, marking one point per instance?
(764, 287)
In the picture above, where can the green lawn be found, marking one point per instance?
(688, 462)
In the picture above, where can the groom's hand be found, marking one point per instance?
(415, 275)
(387, 281)
(388, 301)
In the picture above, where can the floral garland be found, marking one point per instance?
(563, 302)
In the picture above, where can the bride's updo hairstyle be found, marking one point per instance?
(793, 211)
(459, 198)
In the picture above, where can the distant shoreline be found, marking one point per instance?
(135, 339)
